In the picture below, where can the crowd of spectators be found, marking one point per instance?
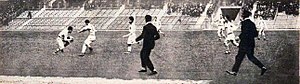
(268, 9)
(12, 8)
(93, 4)
(291, 8)
(139, 4)
(210, 10)
(191, 9)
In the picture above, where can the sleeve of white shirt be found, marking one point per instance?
(84, 28)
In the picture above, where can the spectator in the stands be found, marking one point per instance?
(190, 9)
(29, 15)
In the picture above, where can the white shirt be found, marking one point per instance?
(157, 24)
(229, 29)
(261, 24)
(221, 22)
(63, 33)
(91, 28)
(148, 22)
(132, 28)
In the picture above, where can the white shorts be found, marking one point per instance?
(261, 31)
(131, 39)
(60, 43)
(90, 39)
(230, 37)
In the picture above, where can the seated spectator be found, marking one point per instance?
(193, 10)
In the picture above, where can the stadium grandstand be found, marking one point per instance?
(188, 14)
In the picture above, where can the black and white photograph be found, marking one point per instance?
(149, 42)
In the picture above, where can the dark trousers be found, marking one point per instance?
(241, 55)
(145, 59)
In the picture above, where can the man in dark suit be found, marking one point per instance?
(149, 34)
(247, 45)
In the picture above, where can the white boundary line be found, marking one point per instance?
(93, 80)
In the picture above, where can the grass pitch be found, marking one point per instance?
(183, 55)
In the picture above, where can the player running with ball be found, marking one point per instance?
(64, 39)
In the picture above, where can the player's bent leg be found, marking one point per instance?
(226, 43)
(221, 34)
(58, 50)
(260, 34)
(88, 44)
(66, 43)
(90, 47)
(234, 43)
(264, 35)
(84, 46)
(61, 46)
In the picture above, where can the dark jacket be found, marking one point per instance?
(149, 34)
(248, 34)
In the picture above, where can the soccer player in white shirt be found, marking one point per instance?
(157, 23)
(131, 35)
(230, 37)
(91, 38)
(221, 29)
(262, 26)
(64, 39)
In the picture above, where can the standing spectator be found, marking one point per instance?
(149, 34)
(29, 15)
(247, 45)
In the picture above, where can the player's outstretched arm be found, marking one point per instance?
(83, 29)
(127, 35)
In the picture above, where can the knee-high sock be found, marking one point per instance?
(129, 48)
(84, 46)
